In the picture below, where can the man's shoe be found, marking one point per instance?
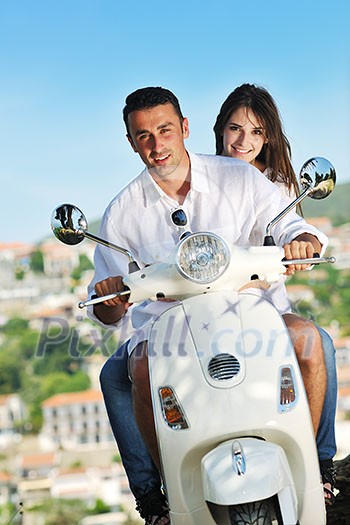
(153, 508)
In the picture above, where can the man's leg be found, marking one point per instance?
(308, 348)
(152, 505)
(116, 388)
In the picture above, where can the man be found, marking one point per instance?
(220, 194)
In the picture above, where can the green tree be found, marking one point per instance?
(35, 372)
(37, 261)
(19, 274)
(61, 382)
(10, 371)
(100, 507)
(84, 264)
(9, 513)
(15, 326)
(332, 296)
(60, 511)
(54, 351)
(36, 389)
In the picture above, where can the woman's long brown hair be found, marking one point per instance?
(276, 153)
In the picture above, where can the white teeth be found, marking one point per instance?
(242, 150)
(161, 158)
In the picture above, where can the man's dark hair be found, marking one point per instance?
(149, 97)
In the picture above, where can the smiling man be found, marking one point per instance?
(157, 135)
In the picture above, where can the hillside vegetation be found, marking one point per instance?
(336, 206)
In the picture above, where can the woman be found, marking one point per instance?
(249, 128)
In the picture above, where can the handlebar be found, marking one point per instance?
(96, 300)
(312, 260)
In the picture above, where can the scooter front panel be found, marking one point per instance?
(183, 341)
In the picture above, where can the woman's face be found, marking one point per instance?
(243, 135)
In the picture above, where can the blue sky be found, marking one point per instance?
(66, 67)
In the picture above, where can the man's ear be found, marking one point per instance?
(131, 142)
(185, 128)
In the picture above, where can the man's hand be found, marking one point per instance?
(302, 247)
(111, 311)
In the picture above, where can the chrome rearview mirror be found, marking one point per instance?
(317, 177)
(70, 226)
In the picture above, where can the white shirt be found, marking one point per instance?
(227, 196)
(277, 293)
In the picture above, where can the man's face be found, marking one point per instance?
(157, 135)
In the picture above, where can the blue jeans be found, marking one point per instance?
(140, 469)
(116, 388)
(325, 439)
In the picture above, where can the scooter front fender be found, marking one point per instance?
(244, 470)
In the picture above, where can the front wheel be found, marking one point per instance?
(255, 513)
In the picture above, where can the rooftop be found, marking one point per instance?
(87, 396)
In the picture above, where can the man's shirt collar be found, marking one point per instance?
(199, 181)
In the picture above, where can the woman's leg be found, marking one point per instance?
(325, 439)
(308, 349)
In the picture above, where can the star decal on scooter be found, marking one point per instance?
(260, 299)
(205, 327)
(232, 308)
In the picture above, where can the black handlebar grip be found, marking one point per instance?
(317, 256)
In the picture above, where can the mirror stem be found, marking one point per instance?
(133, 266)
(301, 197)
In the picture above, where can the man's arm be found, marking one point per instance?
(308, 237)
(303, 246)
(111, 311)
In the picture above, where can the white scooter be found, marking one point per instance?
(232, 420)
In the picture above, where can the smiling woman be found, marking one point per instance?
(249, 127)
(244, 136)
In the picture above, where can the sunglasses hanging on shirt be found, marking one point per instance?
(179, 219)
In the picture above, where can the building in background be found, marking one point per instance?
(75, 419)
(12, 416)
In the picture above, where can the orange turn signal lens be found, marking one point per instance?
(172, 411)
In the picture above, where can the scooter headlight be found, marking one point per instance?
(202, 257)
